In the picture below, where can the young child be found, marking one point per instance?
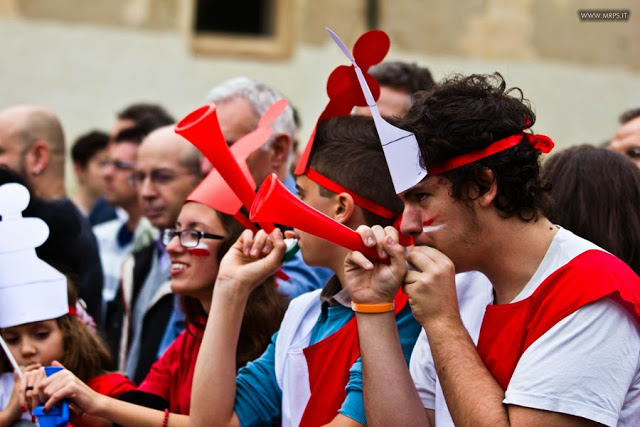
(310, 373)
(37, 308)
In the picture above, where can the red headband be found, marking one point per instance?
(540, 142)
(364, 203)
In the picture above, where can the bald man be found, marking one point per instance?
(167, 170)
(32, 144)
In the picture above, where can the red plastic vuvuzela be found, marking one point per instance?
(202, 129)
(275, 203)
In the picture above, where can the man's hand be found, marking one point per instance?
(431, 286)
(370, 282)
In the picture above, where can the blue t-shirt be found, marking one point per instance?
(258, 396)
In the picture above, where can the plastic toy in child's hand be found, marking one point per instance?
(57, 416)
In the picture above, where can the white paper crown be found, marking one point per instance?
(30, 289)
(400, 147)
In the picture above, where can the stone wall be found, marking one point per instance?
(87, 70)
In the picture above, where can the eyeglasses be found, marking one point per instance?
(157, 177)
(188, 238)
(120, 165)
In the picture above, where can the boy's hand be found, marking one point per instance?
(251, 260)
(370, 282)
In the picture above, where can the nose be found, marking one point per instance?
(107, 171)
(411, 222)
(146, 189)
(27, 349)
(174, 246)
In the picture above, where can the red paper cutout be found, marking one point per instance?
(343, 87)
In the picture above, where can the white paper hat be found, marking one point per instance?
(30, 289)
(400, 147)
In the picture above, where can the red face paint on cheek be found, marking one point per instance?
(428, 222)
(201, 252)
(427, 226)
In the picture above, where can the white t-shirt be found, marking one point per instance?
(587, 365)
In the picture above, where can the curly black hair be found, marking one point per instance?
(462, 114)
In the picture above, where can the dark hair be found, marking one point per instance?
(87, 145)
(133, 134)
(296, 116)
(596, 194)
(148, 115)
(263, 313)
(405, 76)
(346, 149)
(85, 353)
(629, 115)
(467, 113)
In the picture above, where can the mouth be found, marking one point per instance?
(177, 268)
(293, 234)
(150, 211)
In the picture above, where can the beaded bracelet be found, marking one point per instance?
(165, 421)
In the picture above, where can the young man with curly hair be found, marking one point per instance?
(524, 322)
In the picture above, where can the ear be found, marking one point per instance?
(487, 198)
(279, 150)
(344, 208)
(38, 158)
(79, 172)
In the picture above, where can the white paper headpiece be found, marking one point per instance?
(30, 289)
(400, 147)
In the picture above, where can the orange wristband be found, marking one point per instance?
(373, 308)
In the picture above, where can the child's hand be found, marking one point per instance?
(31, 375)
(53, 389)
(251, 260)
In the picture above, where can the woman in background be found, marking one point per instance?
(596, 195)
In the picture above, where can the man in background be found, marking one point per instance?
(167, 170)
(627, 137)
(32, 144)
(240, 102)
(399, 81)
(89, 156)
(118, 237)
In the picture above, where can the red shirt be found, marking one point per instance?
(112, 385)
(509, 329)
(171, 376)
